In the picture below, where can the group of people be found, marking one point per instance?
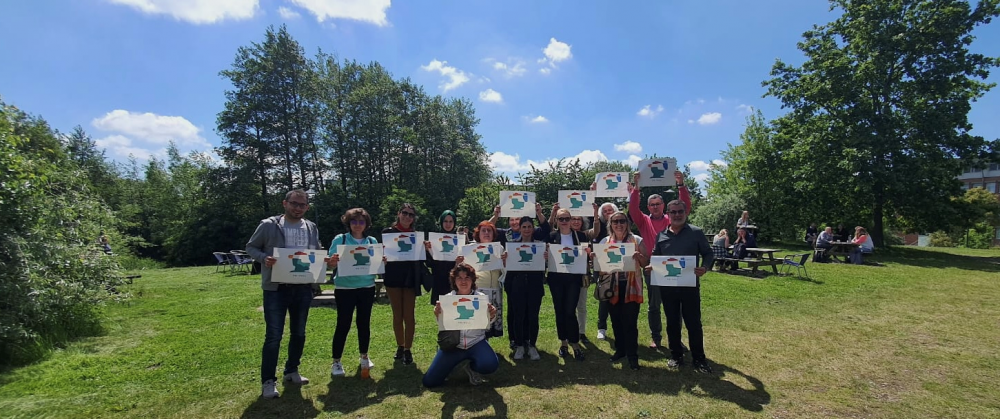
(663, 232)
(746, 238)
(863, 243)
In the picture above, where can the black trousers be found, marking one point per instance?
(625, 322)
(678, 303)
(565, 289)
(349, 300)
(524, 301)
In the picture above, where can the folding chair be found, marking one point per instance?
(800, 265)
(221, 260)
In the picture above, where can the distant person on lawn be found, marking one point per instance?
(289, 231)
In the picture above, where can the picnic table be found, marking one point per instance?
(757, 257)
(841, 249)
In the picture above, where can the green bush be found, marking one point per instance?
(941, 239)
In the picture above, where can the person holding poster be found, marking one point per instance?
(513, 233)
(649, 227)
(402, 284)
(352, 293)
(488, 282)
(471, 344)
(603, 213)
(441, 268)
(683, 239)
(565, 288)
(289, 231)
(627, 287)
(525, 290)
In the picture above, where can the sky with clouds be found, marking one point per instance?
(550, 79)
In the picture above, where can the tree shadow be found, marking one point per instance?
(932, 259)
(291, 404)
(472, 399)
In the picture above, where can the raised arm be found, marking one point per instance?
(640, 220)
(496, 215)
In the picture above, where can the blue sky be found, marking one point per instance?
(550, 79)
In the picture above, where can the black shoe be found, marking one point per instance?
(633, 363)
(513, 345)
(583, 339)
(399, 353)
(578, 353)
(617, 357)
(702, 366)
(675, 362)
(407, 357)
(655, 345)
(563, 351)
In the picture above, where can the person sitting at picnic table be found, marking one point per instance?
(823, 242)
(811, 234)
(842, 233)
(743, 242)
(865, 245)
(744, 220)
(470, 344)
(720, 244)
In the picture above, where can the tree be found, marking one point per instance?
(879, 108)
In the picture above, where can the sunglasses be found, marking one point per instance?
(564, 219)
(298, 205)
(619, 221)
(357, 222)
(678, 212)
(408, 214)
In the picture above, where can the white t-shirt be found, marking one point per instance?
(296, 234)
(567, 239)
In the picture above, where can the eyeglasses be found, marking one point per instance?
(298, 205)
(408, 214)
(564, 219)
(619, 221)
(678, 212)
(654, 204)
(357, 222)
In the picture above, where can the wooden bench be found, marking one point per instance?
(752, 263)
(379, 285)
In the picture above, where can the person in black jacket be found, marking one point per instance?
(565, 288)
(402, 284)
(525, 290)
(441, 269)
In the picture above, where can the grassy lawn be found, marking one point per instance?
(917, 337)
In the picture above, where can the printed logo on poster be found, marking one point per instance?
(483, 253)
(405, 242)
(362, 255)
(611, 181)
(518, 199)
(674, 266)
(577, 199)
(568, 255)
(448, 243)
(302, 261)
(526, 253)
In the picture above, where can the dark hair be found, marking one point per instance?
(470, 272)
(475, 234)
(354, 213)
(403, 207)
(296, 192)
(526, 219)
(677, 202)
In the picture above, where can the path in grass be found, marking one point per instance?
(914, 338)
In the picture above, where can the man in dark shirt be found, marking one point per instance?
(682, 239)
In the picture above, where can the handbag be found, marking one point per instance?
(605, 288)
(448, 339)
(424, 277)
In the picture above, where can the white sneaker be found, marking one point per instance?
(602, 334)
(295, 378)
(337, 369)
(519, 352)
(533, 353)
(269, 389)
(474, 377)
(363, 361)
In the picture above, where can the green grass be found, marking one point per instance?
(916, 337)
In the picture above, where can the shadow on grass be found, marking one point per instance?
(918, 257)
(291, 404)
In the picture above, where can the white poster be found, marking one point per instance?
(404, 246)
(517, 204)
(611, 184)
(483, 256)
(567, 259)
(614, 257)
(657, 172)
(364, 259)
(673, 271)
(446, 246)
(464, 312)
(579, 203)
(298, 266)
(525, 256)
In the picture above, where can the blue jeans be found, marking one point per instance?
(481, 358)
(293, 300)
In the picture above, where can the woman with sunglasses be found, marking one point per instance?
(402, 284)
(565, 288)
(624, 304)
(604, 212)
(352, 292)
(440, 269)
(579, 223)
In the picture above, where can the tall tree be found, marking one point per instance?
(879, 108)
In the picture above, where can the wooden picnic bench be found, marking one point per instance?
(379, 284)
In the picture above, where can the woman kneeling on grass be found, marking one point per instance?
(471, 344)
(353, 292)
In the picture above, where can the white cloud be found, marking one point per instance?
(537, 120)
(648, 111)
(147, 134)
(511, 68)
(371, 11)
(709, 118)
(545, 71)
(503, 162)
(490, 95)
(631, 147)
(288, 14)
(454, 76)
(632, 160)
(701, 178)
(556, 52)
(702, 166)
(195, 11)
(744, 109)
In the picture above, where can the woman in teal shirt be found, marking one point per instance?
(353, 292)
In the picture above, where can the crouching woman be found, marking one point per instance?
(462, 345)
